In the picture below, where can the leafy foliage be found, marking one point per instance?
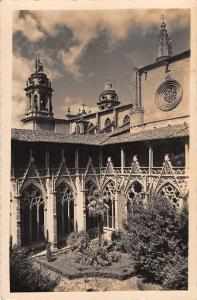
(157, 238)
(96, 256)
(97, 208)
(76, 239)
(26, 276)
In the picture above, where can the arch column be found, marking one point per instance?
(122, 154)
(80, 199)
(115, 210)
(16, 221)
(51, 215)
(120, 209)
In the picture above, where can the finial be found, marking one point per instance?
(108, 85)
(164, 46)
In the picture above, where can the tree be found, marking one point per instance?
(157, 238)
(97, 208)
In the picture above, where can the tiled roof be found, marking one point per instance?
(151, 134)
(53, 137)
(120, 130)
(101, 138)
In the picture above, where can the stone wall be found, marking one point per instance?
(150, 81)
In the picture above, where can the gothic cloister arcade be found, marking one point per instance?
(65, 210)
(53, 202)
(32, 209)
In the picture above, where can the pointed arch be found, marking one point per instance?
(132, 184)
(107, 122)
(90, 187)
(34, 182)
(169, 191)
(32, 206)
(108, 191)
(135, 195)
(126, 120)
(65, 208)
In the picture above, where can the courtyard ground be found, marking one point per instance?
(76, 277)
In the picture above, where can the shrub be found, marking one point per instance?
(96, 256)
(76, 240)
(26, 276)
(156, 237)
(118, 240)
(176, 274)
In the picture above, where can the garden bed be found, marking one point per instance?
(66, 266)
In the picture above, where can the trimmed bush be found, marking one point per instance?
(26, 276)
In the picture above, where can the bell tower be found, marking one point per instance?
(39, 94)
(164, 45)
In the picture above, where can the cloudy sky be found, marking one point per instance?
(80, 50)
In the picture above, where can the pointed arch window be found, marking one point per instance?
(169, 192)
(126, 120)
(107, 122)
(91, 221)
(32, 215)
(135, 196)
(109, 198)
(77, 129)
(65, 209)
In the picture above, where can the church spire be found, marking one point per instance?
(164, 46)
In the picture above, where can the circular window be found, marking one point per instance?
(168, 95)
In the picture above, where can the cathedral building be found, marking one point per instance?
(128, 152)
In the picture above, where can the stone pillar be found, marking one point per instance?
(122, 159)
(147, 197)
(18, 240)
(38, 94)
(80, 200)
(150, 157)
(120, 212)
(116, 210)
(97, 122)
(51, 214)
(115, 117)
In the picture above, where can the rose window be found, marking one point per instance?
(168, 95)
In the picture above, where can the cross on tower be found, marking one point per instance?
(163, 18)
(83, 105)
(39, 66)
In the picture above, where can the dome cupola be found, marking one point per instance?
(108, 98)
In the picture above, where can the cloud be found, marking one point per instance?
(75, 104)
(22, 69)
(28, 25)
(87, 25)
